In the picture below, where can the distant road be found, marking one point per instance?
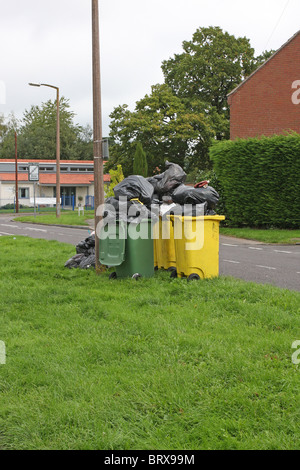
(48, 232)
(278, 265)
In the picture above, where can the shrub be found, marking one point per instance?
(116, 176)
(259, 179)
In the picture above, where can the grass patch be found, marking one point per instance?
(263, 235)
(153, 364)
(26, 209)
(66, 218)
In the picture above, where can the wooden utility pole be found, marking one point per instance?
(97, 125)
(17, 183)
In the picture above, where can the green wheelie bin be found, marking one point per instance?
(128, 247)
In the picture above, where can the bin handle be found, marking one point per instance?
(136, 199)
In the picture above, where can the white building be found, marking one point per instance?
(76, 180)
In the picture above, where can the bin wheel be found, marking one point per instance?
(136, 276)
(193, 277)
(113, 275)
(155, 268)
(171, 269)
(173, 274)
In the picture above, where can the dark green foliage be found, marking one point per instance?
(140, 165)
(210, 66)
(180, 117)
(260, 180)
(37, 134)
(165, 127)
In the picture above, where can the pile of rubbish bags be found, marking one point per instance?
(167, 188)
(135, 196)
(85, 257)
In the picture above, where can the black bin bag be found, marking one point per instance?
(188, 195)
(154, 180)
(171, 178)
(135, 187)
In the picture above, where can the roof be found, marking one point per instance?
(23, 160)
(262, 65)
(50, 179)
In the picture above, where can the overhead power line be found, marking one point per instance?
(276, 26)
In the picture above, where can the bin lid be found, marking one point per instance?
(204, 217)
(112, 244)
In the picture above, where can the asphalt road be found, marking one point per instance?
(278, 265)
(48, 232)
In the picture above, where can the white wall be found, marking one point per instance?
(7, 192)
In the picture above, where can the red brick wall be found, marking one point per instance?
(266, 103)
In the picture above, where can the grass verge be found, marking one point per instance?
(66, 218)
(262, 235)
(153, 364)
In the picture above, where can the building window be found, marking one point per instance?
(47, 168)
(82, 169)
(23, 193)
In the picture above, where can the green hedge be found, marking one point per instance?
(259, 180)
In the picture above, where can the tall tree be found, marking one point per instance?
(84, 145)
(8, 127)
(140, 165)
(164, 126)
(37, 134)
(211, 65)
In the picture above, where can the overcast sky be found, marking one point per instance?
(50, 42)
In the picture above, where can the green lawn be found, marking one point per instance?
(263, 235)
(66, 218)
(150, 364)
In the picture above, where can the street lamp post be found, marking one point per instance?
(57, 145)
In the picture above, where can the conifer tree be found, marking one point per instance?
(140, 165)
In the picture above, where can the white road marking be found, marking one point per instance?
(228, 244)
(266, 267)
(4, 233)
(6, 225)
(35, 229)
(253, 248)
(282, 251)
(230, 261)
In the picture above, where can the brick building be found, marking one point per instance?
(268, 101)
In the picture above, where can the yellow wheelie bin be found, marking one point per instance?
(196, 241)
(164, 246)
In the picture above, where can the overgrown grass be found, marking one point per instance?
(66, 218)
(153, 364)
(263, 235)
